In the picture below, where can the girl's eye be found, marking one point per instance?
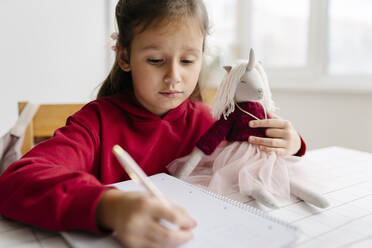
(187, 61)
(155, 61)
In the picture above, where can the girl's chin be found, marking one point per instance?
(173, 105)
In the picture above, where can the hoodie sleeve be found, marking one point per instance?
(55, 185)
(302, 150)
(213, 137)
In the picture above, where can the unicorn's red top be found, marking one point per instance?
(236, 128)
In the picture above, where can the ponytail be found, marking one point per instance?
(117, 81)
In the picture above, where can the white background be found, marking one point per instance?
(58, 51)
(50, 51)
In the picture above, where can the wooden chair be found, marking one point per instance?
(47, 119)
(208, 95)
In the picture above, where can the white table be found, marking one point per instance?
(16, 235)
(347, 175)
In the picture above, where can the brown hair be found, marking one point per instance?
(131, 14)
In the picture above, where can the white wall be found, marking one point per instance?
(57, 51)
(50, 51)
(329, 118)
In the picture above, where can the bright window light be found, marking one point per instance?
(280, 31)
(350, 41)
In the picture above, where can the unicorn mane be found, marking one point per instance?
(267, 102)
(224, 103)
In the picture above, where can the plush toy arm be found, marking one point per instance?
(190, 164)
(308, 195)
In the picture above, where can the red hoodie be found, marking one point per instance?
(58, 184)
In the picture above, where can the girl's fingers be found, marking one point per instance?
(164, 237)
(270, 123)
(268, 142)
(276, 133)
(175, 215)
(278, 151)
(182, 211)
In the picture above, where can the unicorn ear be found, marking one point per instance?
(227, 68)
(251, 61)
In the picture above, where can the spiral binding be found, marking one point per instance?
(240, 205)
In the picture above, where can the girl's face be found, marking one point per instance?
(165, 63)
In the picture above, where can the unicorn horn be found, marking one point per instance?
(251, 62)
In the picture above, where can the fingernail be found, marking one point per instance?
(194, 223)
(252, 123)
(251, 139)
(190, 224)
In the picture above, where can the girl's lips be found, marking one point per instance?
(171, 93)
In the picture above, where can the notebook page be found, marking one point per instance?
(234, 224)
(220, 223)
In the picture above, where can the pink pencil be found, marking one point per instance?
(137, 174)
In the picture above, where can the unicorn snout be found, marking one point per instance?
(260, 92)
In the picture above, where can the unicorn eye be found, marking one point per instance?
(244, 82)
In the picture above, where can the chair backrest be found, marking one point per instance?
(47, 119)
(208, 95)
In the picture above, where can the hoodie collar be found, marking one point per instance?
(128, 102)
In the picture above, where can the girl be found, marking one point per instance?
(143, 106)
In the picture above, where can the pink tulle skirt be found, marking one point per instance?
(242, 167)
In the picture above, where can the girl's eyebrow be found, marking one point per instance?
(155, 47)
(192, 49)
(151, 47)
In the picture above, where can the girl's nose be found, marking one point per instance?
(172, 75)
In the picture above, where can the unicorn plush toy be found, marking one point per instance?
(235, 165)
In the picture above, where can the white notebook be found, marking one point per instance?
(222, 222)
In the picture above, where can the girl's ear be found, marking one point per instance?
(227, 68)
(123, 59)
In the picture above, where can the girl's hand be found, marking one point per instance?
(281, 138)
(135, 218)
